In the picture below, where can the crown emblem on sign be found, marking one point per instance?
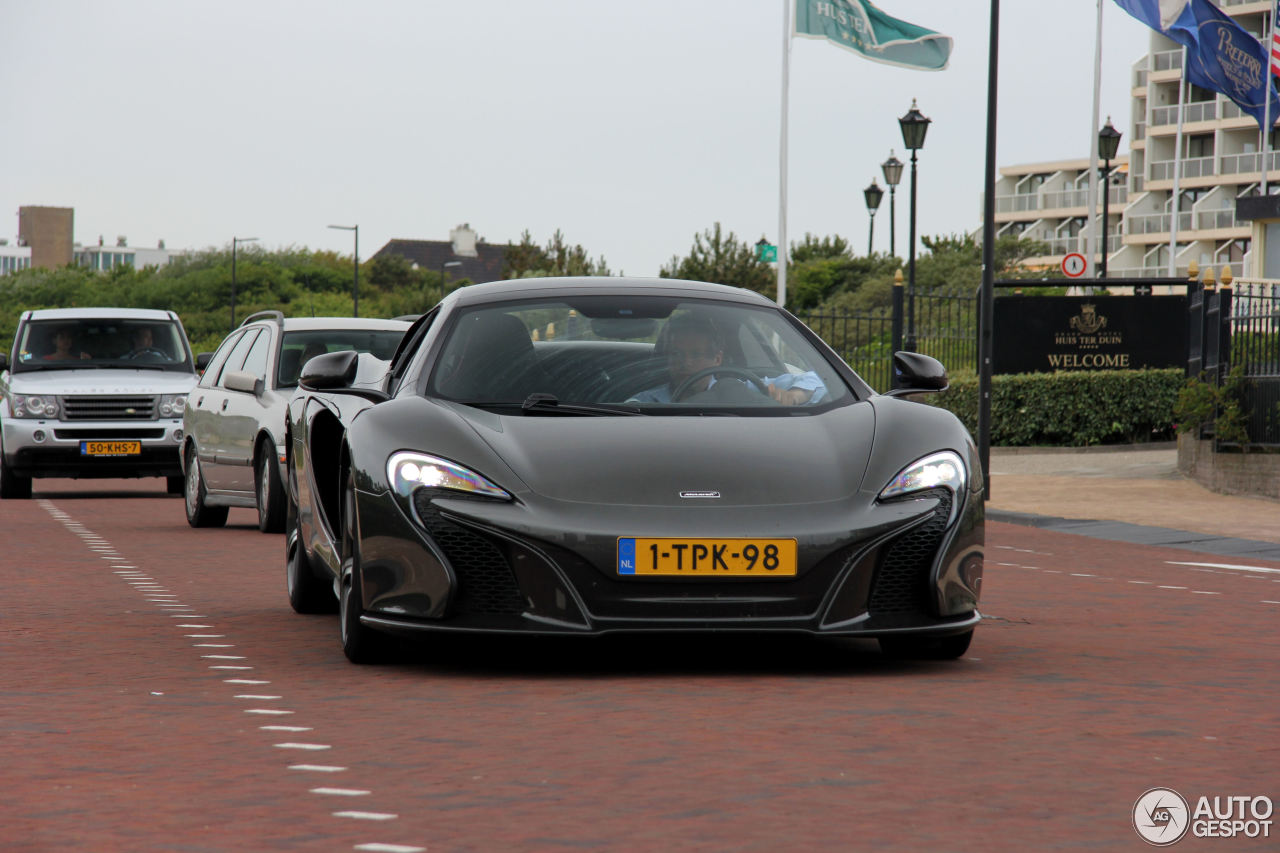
(1089, 321)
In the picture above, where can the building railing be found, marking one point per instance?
(1212, 219)
(1234, 164)
(1166, 60)
(1017, 202)
(1193, 112)
(1192, 167)
(1021, 202)
(1156, 223)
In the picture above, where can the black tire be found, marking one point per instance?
(199, 514)
(13, 487)
(360, 643)
(175, 485)
(268, 491)
(909, 647)
(308, 593)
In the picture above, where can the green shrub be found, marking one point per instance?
(1070, 409)
(1203, 407)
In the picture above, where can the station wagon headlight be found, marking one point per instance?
(407, 471)
(34, 406)
(937, 469)
(171, 405)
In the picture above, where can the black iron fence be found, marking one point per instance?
(1252, 323)
(946, 328)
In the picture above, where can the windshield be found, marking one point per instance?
(297, 348)
(88, 342)
(647, 354)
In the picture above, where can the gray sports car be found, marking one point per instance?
(595, 455)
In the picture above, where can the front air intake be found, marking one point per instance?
(902, 576)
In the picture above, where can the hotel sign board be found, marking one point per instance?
(1043, 334)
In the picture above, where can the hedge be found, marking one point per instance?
(1070, 409)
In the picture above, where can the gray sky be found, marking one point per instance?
(630, 126)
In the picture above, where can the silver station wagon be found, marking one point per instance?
(233, 454)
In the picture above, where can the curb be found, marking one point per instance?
(1138, 534)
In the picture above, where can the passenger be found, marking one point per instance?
(63, 339)
(695, 344)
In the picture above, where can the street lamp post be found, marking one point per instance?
(873, 194)
(1108, 144)
(443, 282)
(892, 169)
(914, 127)
(235, 241)
(355, 280)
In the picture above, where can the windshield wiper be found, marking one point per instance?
(540, 402)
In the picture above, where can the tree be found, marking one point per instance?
(723, 259)
(811, 248)
(527, 260)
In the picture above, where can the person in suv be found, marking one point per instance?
(76, 402)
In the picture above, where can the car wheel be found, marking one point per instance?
(200, 514)
(175, 485)
(270, 493)
(307, 593)
(11, 485)
(360, 643)
(908, 647)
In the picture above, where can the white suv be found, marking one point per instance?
(93, 392)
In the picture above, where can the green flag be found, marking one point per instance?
(860, 26)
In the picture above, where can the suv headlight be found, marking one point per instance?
(937, 469)
(407, 471)
(35, 406)
(171, 405)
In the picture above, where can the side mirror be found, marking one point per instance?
(242, 380)
(917, 374)
(331, 371)
(202, 360)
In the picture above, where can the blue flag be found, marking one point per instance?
(1221, 55)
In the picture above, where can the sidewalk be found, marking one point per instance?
(1128, 494)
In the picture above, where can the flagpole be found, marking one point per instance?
(782, 155)
(1177, 171)
(1266, 93)
(1092, 248)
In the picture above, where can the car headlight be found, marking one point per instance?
(407, 471)
(937, 469)
(171, 405)
(34, 406)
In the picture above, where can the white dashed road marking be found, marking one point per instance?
(156, 594)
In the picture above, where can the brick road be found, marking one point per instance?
(1103, 670)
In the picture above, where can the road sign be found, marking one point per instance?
(1074, 265)
(767, 253)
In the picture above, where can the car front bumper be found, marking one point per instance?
(51, 448)
(911, 566)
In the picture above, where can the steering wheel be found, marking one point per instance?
(684, 386)
(147, 353)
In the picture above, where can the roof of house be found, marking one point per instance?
(434, 254)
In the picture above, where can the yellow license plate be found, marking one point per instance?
(757, 558)
(110, 448)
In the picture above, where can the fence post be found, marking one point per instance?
(1224, 324)
(1195, 322)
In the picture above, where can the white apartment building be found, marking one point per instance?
(1221, 161)
(13, 256)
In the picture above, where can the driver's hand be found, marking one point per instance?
(789, 397)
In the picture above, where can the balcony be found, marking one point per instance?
(1017, 202)
(1237, 164)
(1166, 60)
(1215, 219)
(1193, 112)
(1156, 223)
(1192, 167)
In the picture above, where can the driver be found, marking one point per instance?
(695, 344)
(143, 343)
